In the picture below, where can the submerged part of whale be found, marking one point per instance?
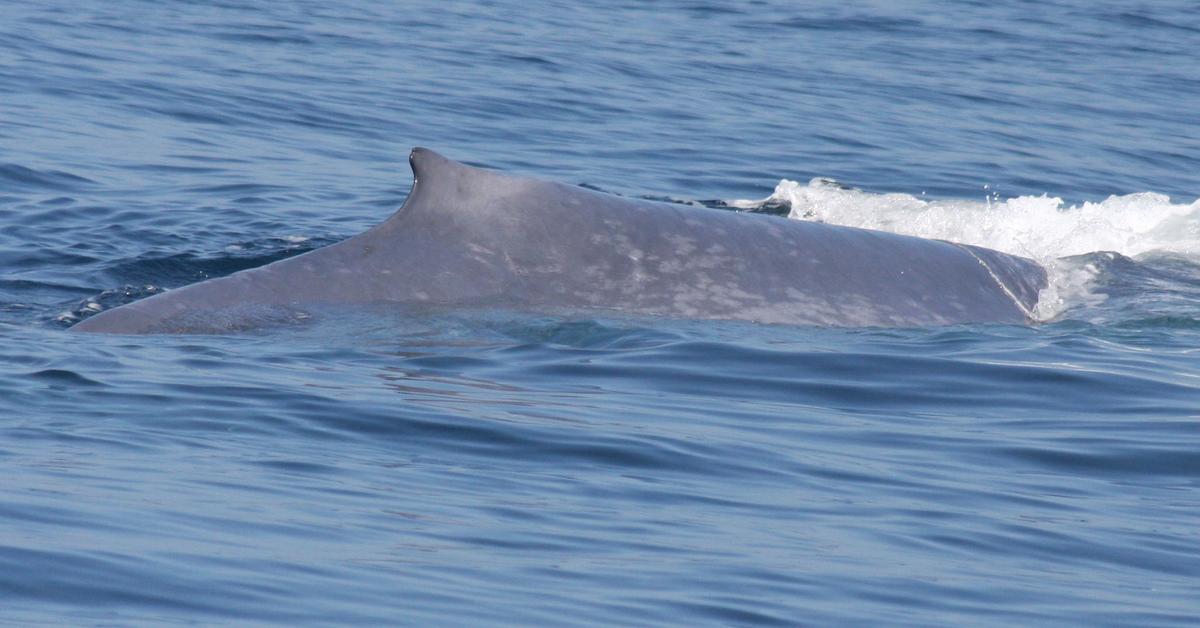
(479, 238)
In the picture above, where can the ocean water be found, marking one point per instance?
(509, 468)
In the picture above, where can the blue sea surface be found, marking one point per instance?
(515, 468)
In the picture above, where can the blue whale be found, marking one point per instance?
(471, 237)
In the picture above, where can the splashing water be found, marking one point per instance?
(1042, 228)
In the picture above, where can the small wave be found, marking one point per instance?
(21, 177)
(147, 275)
(106, 301)
(64, 377)
(184, 268)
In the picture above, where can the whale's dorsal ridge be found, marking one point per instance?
(475, 237)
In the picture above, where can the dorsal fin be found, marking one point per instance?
(426, 163)
(437, 182)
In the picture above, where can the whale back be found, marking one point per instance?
(473, 237)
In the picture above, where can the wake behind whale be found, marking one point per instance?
(470, 237)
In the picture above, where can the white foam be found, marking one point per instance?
(1068, 285)
(1039, 227)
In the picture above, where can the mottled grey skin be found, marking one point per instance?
(472, 237)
